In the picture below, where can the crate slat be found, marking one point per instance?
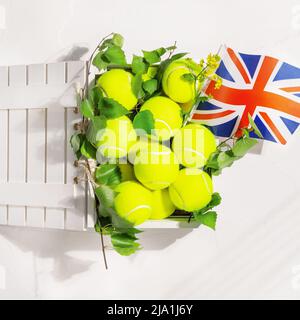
(17, 136)
(36, 169)
(75, 218)
(55, 144)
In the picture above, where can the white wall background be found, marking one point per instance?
(255, 252)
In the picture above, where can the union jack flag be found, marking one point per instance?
(262, 86)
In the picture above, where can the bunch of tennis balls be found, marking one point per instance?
(164, 170)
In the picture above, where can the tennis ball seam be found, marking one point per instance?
(179, 196)
(112, 147)
(195, 151)
(206, 183)
(166, 124)
(143, 206)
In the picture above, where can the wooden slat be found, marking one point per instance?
(17, 145)
(3, 159)
(34, 97)
(3, 143)
(50, 195)
(36, 168)
(18, 95)
(75, 218)
(91, 218)
(55, 172)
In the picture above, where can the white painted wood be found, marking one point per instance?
(36, 167)
(3, 143)
(48, 195)
(37, 94)
(36, 146)
(56, 151)
(17, 133)
(91, 218)
(167, 224)
(75, 218)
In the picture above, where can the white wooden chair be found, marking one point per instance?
(36, 163)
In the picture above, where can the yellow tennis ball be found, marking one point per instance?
(177, 88)
(135, 148)
(127, 172)
(193, 144)
(116, 84)
(167, 115)
(156, 166)
(192, 190)
(162, 206)
(116, 138)
(133, 202)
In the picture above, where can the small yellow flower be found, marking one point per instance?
(213, 61)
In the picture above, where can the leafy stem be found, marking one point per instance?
(89, 63)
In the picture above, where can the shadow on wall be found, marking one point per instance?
(74, 53)
(57, 244)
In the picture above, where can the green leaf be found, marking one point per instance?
(106, 44)
(97, 227)
(171, 48)
(220, 160)
(188, 77)
(88, 150)
(138, 65)
(115, 55)
(151, 56)
(99, 62)
(95, 129)
(150, 86)
(104, 212)
(137, 86)
(86, 109)
(214, 202)
(144, 120)
(254, 127)
(225, 159)
(118, 40)
(105, 195)
(242, 146)
(108, 174)
(178, 56)
(112, 109)
(95, 96)
(202, 99)
(209, 219)
(76, 141)
(124, 243)
(162, 51)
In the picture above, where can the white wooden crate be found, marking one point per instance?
(37, 119)
(36, 163)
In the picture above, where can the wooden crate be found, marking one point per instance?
(36, 163)
(37, 119)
